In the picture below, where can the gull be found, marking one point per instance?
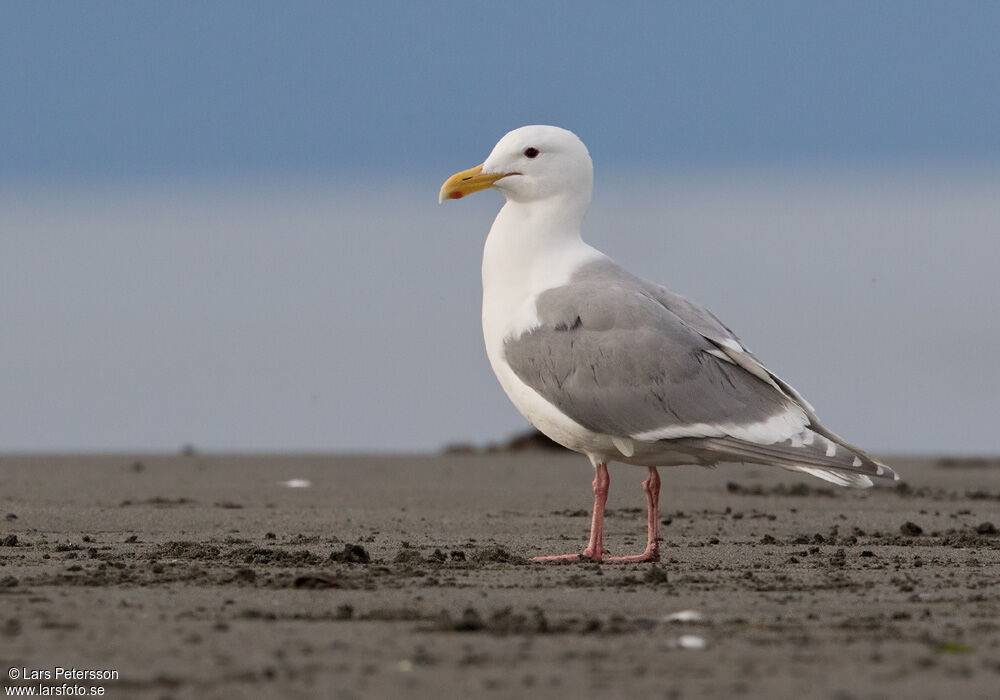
(617, 368)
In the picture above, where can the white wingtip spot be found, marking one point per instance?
(831, 449)
(624, 445)
(721, 355)
(856, 462)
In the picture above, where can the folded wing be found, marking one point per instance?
(628, 359)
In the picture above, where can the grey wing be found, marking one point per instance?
(620, 363)
(729, 347)
(732, 349)
(626, 358)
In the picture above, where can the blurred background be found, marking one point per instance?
(219, 227)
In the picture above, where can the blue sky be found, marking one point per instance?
(219, 220)
(203, 89)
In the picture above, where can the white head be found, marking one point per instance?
(530, 164)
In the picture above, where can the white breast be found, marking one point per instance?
(517, 267)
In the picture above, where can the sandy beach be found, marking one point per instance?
(210, 577)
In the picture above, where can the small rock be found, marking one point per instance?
(409, 556)
(470, 622)
(11, 628)
(9, 541)
(911, 529)
(655, 574)
(245, 576)
(352, 554)
(494, 553)
(317, 580)
(987, 528)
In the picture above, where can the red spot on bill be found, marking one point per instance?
(455, 195)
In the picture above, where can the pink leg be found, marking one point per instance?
(652, 552)
(595, 548)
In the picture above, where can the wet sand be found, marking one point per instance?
(204, 577)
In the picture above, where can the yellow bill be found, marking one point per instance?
(467, 182)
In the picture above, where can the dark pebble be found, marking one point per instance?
(246, 575)
(911, 529)
(655, 574)
(352, 554)
(470, 622)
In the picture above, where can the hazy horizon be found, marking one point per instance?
(344, 315)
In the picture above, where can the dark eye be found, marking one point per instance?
(531, 152)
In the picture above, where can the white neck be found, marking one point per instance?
(532, 247)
